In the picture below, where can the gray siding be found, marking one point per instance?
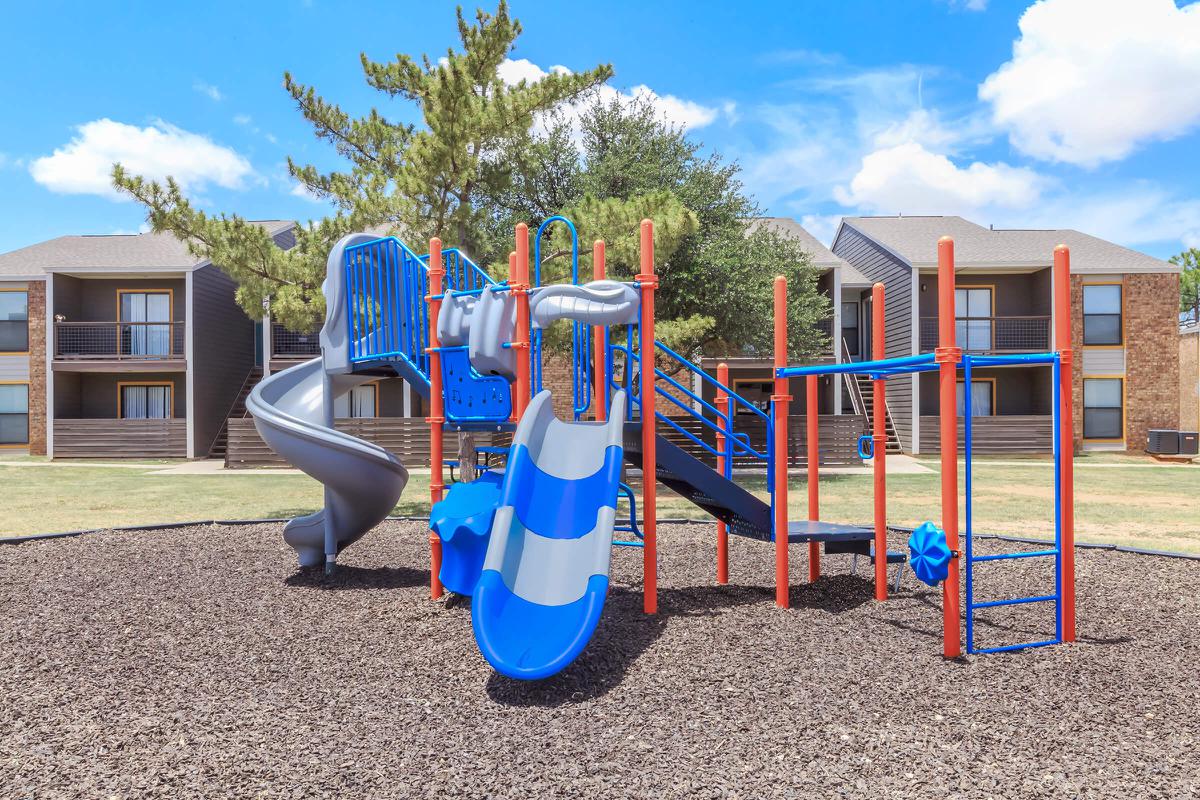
(222, 353)
(1019, 391)
(14, 368)
(880, 266)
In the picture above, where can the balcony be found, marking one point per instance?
(992, 334)
(288, 344)
(128, 343)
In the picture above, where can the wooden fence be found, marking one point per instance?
(999, 434)
(408, 439)
(405, 437)
(120, 438)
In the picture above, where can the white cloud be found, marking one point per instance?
(1135, 215)
(208, 90)
(909, 179)
(242, 119)
(302, 191)
(822, 226)
(83, 165)
(969, 5)
(686, 114)
(1090, 80)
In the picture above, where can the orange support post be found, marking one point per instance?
(779, 413)
(948, 355)
(1062, 343)
(812, 421)
(722, 403)
(436, 411)
(599, 346)
(649, 282)
(879, 443)
(519, 283)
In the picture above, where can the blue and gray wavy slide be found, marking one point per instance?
(545, 575)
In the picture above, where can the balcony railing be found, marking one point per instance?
(119, 340)
(992, 334)
(290, 344)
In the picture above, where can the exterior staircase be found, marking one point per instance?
(862, 399)
(866, 396)
(220, 446)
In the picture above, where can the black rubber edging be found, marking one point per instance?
(163, 526)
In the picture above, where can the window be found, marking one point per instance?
(14, 414)
(973, 318)
(14, 322)
(360, 403)
(757, 393)
(144, 401)
(982, 398)
(138, 309)
(1102, 313)
(850, 327)
(1103, 416)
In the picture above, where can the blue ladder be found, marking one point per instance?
(1055, 552)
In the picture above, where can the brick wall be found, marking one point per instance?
(1151, 355)
(1151, 303)
(37, 368)
(1189, 382)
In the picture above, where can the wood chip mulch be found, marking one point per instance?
(199, 662)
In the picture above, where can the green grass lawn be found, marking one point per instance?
(1118, 499)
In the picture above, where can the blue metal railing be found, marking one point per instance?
(738, 443)
(969, 362)
(581, 379)
(387, 311)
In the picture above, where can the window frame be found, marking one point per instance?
(169, 323)
(20, 445)
(991, 317)
(25, 291)
(1084, 408)
(170, 385)
(856, 327)
(975, 380)
(1120, 343)
(375, 385)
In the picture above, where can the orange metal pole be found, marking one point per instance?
(948, 355)
(599, 346)
(722, 402)
(436, 411)
(519, 283)
(879, 443)
(1062, 343)
(649, 282)
(812, 422)
(779, 410)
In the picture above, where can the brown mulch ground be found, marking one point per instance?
(199, 663)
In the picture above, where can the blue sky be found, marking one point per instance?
(1061, 113)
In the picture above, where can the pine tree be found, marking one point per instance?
(417, 180)
(1189, 283)
(620, 162)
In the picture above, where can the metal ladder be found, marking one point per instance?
(1055, 552)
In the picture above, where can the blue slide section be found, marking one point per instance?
(463, 521)
(545, 575)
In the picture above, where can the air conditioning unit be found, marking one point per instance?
(1189, 443)
(1163, 442)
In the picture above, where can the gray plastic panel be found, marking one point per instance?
(493, 323)
(596, 303)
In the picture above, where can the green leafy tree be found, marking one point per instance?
(418, 180)
(1189, 283)
(619, 163)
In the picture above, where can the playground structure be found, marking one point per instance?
(530, 542)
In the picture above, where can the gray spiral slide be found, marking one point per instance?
(293, 412)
